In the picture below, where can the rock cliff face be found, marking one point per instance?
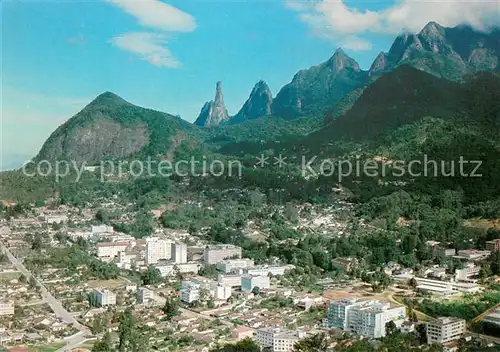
(319, 87)
(258, 104)
(213, 113)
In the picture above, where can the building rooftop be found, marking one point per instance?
(112, 244)
(446, 320)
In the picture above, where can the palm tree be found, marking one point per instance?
(315, 343)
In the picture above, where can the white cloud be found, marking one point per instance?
(157, 14)
(355, 43)
(147, 45)
(160, 17)
(343, 24)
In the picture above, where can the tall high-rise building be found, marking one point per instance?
(157, 249)
(179, 253)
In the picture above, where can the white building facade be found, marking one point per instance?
(217, 253)
(249, 282)
(157, 249)
(445, 329)
(105, 298)
(179, 253)
(365, 318)
(110, 249)
(277, 339)
(230, 265)
(6, 308)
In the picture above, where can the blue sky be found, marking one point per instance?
(167, 55)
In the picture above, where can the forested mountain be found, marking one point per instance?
(110, 127)
(347, 110)
(257, 105)
(397, 98)
(319, 87)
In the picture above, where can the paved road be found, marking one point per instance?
(56, 306)
(74, 341)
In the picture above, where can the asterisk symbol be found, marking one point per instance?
(280, 160)
(262, 160)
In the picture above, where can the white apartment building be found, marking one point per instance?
(222, 292)
(124, 260)
(445, 329)
(277, 339)
(157, 249)
(230, 265)
(268, 269)
(190, 292)
(229, 280)
(145, 295)
(100, 229)
(6, 308)
(105, 298)
(56, 219)
(179, 253)
(217, 253)
(173, 269)
(468, 273)
(366, 318)
(445, 288)
(472, 254)
(191, 289)
(249, 282)
(110, 249)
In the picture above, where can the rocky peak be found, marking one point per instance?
(341, 60)
(214, 112)
(258, 103)
(379, 64)
(219, 97)
(432, 30)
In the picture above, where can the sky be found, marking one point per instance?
(58, 55)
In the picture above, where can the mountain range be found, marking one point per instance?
(448, 53)
(336, 90)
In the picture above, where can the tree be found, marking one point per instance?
(92, 299)
(171, 307)
(246, 345)
(102, 216)
(128, 340)
(103, 345)
(152, 276)
(314, 343)
(390, 328)
(209, 270)
(256, 290)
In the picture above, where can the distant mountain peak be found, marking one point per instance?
(258, 103)
(214, 112)
(339, 51)
(379, 64)
(108, 98)
(341, 60)
(433, 29)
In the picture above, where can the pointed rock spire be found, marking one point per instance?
(213, 113)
